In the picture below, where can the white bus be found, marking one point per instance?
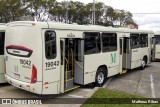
(2, 62)
(53, 58)
(157, 45)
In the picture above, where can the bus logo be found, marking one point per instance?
(15, 68)
(113, 58)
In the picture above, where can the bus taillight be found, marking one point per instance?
(34, 74)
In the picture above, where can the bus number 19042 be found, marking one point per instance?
(51, 64)
(25, 62)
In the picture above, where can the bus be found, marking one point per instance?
(2, 60)
(53, 58)
(157, 45)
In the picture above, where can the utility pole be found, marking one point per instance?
(93, 13)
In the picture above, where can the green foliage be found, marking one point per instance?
(105, 95)
(10, 10)
(69, 12)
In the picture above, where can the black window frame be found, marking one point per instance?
(98, 43)
(109, 43)
(2, 42)
(54, 56)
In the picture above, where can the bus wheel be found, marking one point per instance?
(100, 76)
(143, 64)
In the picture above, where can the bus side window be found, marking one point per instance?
(157, 39)
(92, 43)
(2, 37)
(109, 42)
(50, 44)
(144, 40)
(135, 41)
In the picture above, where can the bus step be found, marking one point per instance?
(123, 71)
(74, 87)
(70, 79)
(69, 83)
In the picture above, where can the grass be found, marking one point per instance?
(114, 96)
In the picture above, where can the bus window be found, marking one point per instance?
(50, 44)
(109, 42)
(157, 39)
(92, 43)
(61, 45)
(2, 43)
(144, 40)
(135, 41)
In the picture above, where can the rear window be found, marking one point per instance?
(50, 44)
(2, 36)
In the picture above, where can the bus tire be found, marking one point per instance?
(143, 63)
(100, 76)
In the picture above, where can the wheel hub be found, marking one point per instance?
(100, 78)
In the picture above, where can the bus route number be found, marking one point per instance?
(25, 62)
(51, 64)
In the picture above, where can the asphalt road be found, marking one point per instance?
(141, 82)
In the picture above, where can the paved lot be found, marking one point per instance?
(142, 82)
(9, 91)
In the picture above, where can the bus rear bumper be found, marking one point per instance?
(2, 78)
(25, 86)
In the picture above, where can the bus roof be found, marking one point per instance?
(157, 33)
(63, 26)
(2, 26)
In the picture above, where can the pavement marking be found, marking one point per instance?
(105, 85)
(75, 96)
(152, 87)
(87, 90)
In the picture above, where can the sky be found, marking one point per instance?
(145, 21)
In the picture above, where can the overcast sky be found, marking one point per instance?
(145, 21)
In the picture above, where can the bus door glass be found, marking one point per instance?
(121, 53)
(153, 48)
(79, 62)
(126, 53)
(157, 47)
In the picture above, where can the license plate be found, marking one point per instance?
(16, 76)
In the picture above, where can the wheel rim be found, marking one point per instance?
(100, 78)
(143, 63)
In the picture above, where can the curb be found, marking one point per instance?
(87, 96)
(93, 91)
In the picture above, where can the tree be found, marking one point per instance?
(39, 9)
(11, 10)
(70, 12)
(123, 18)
